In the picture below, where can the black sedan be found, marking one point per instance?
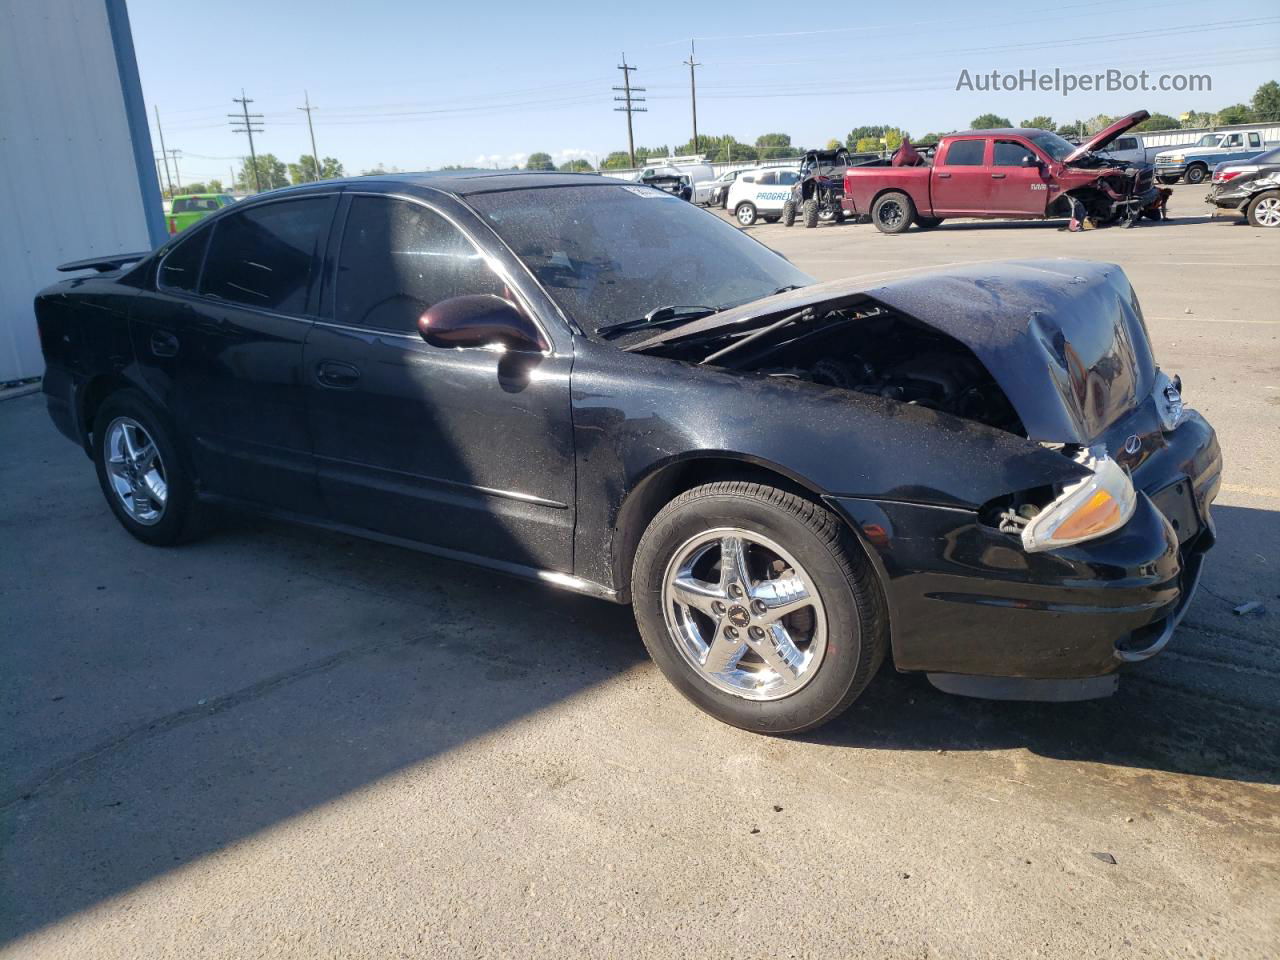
(1251, 187)
(980, 473)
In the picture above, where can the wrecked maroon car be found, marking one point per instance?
(1006, 174)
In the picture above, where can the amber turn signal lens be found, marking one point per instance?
(1096, 515)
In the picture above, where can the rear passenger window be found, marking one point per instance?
(397, 259)
(266, 256)
(965, 153)
(768, 178)
(180, 269)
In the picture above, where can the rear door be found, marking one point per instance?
(1018, 189)
(221, 341)
(961, 180)
(466, 449)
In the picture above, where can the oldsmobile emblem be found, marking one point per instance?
(1133, 444)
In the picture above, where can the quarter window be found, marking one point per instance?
(266, 256)
(965, 153)
(1007, 153)
(1255, 140)
(180, 269)
(397, 259)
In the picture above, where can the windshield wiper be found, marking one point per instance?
(658, 317)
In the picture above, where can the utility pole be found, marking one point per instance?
(176, 175)
(310, 129)
(250, 123)
(163, 153)
(693, 94)
(629, 100)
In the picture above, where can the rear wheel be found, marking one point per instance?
(788, 213)
(1195, 173)
(757, 605)
(810, 213)
(142, 473)
(745, 213)
(1264, 209)
(893, 212)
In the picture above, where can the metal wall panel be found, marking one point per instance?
(73, 155)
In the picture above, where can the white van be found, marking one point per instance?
(760, 194)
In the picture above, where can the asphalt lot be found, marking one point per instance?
(284, 742)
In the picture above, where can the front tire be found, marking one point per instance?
(810, 213)
(788, 213)
(746, 214)
(758, 606)
(142, 471)
(1264, 209)
(1195, 174)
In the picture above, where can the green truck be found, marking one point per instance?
(191, 207)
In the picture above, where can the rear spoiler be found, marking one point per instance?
(103, 264)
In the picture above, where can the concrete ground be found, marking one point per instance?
(279, 742)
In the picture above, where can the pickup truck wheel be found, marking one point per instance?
(745, 213)
(1168, 180)
(810, 213)
(142, 472)
(788, 213)
(1264, 209)
(893, 212)
(1195, 173)
(928, 223)
(758, 606)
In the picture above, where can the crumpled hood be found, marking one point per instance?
(1065, 339)
(1105, 136)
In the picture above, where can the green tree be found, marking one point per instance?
(1236, 113)
(577, 166)
(862, 133)
(540, 161)
(272, 173)
(989, 121)
(196, 187)
(893, 138)
(1196, 118)
(215, 186)
(1040, 122)
(771, 145)
(1266, 103)
(834, 144)
(867, 145)
(304, 171)
(1157, 121)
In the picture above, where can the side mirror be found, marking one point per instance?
(480, 320)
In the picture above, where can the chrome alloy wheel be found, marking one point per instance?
(1267, 212)
(744, 614)
(135, 470)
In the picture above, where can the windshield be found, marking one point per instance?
(1208, 140)
(1053, 145)
(610, 254)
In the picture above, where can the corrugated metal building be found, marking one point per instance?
(77, 178)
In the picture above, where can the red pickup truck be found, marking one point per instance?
(1017, 173)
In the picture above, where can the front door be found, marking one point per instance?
(221, 341)
(469, 450)
(960, 178)
(1019, 186)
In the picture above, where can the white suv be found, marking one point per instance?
(760, 194)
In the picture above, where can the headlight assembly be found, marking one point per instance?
(1090, 508)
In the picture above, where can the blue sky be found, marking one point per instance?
(419, 85)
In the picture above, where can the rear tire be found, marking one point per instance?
(152, 494)
(745, 213)
(788, 213)
(835, 641)
(1264, 209)
(893, 212)
(810, 213)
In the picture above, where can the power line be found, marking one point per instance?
(310, 129)
(629, 105)
(693, 94)
(249, 123)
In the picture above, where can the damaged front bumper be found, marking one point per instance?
(983, 617)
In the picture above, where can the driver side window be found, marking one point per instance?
(397, 259)
(1010, 153)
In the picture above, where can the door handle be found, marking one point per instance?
(164, 344)
(332, 373)
(998, 176)
(944, 176)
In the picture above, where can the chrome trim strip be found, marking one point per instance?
(456, 484)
